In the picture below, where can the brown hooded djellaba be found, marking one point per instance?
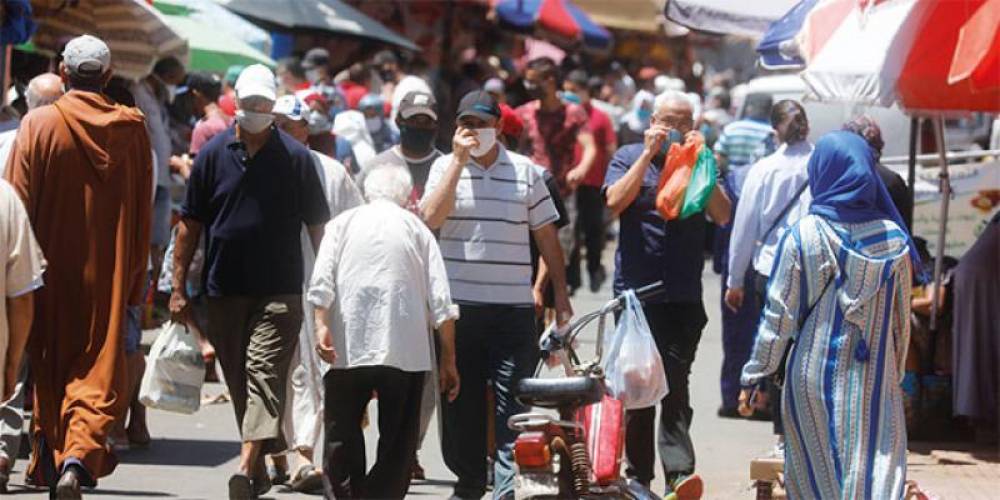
(83, 168)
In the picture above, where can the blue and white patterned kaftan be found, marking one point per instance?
(842, 404)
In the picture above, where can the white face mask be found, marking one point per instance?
(487, 139)
(319, 122)
(171, 93)
(252, 122)
(373, 124)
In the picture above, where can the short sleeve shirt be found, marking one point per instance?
(651, 248)
(551, 136)
(485, 241)
(253, 209)
(604, 136)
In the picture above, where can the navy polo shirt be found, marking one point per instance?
(252, 211)
(651, 248)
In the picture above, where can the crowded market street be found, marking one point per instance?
(190, 453)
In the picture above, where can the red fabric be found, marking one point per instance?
(553, 16)
(604, 137)
(923, 83)
(675, 177)
(550, 137)
(353, 92)
(510, 123)
(604, 427)
(227, 103)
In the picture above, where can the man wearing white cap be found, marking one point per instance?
(251, 190)
(304, 412)
(92, 220)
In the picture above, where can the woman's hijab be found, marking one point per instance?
(846, 188)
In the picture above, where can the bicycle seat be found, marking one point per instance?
(559, 392)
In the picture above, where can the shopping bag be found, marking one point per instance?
(701, 184)
(675, 177)
(632, 367)
(175, 371)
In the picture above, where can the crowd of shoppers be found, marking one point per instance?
(329, 249)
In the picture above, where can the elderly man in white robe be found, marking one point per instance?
(379, 288)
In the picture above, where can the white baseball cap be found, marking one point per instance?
(87, 55)
(291, 107)
(256, 81)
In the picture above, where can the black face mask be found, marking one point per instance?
(387, 75)
(535, 91)
(416, 140)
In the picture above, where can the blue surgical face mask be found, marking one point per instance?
(673, 137)
(644, 114)
(570, 97)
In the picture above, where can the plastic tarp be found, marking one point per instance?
(732, 17)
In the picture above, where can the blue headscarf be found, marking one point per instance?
(846, 188)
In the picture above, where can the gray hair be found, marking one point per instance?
(43, 89)
(388, 182)
(670, 97)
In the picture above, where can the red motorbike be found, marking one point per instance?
(576, 453)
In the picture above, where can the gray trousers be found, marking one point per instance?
(254, 340)
(12, 417)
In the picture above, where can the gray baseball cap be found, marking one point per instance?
(87, 55)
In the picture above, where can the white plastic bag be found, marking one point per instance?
(632, 366)
(175, 371)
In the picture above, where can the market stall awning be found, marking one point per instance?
(562, 19)
(136, 33)
(214, 49)
(327, 16)
(635, 15)
(728, 17)
(921, 54)
(210, 13)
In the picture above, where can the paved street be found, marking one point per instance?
(191, 457)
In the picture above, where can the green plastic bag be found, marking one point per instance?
(702, 183)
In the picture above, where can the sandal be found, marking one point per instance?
(306, 479)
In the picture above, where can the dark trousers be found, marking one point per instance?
(739, 330)
(348, 392)
(497, 344)
(677, 331)
(589, 224)
(773, 390)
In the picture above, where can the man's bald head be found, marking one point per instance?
(674, 110)
(43, 89)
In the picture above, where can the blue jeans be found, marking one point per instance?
(498, 344)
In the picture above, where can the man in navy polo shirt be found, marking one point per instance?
(652, 249)
(251, 190)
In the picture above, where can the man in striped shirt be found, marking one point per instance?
(487, 202)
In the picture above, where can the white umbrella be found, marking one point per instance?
(735, 17)
(133, 30)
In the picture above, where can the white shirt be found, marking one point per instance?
(486, 238)
(6, 144)
(23, 262)
(341, 192)
(770, 185)
(380, 272)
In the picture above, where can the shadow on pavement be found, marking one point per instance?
(183, 452)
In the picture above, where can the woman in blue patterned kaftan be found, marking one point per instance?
(840, 293)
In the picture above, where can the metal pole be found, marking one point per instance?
(945, 189)
(911, 178)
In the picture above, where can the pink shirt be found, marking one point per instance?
(205, 130)
(550, 136)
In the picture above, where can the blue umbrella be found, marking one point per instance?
(555, 17)
(594, 35)
(776, 48)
